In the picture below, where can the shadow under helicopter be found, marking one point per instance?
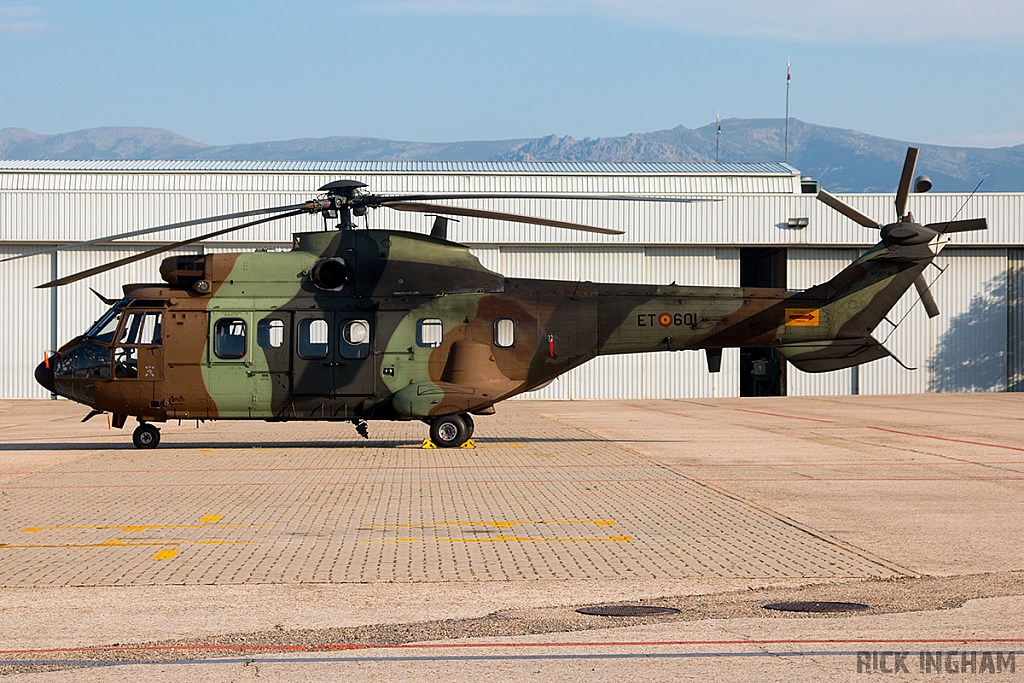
(250, 445)
(968, 357)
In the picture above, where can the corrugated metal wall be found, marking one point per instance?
(1015, 320)
(26, 313)
(975, 344)
(68, 206)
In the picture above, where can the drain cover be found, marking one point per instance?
(626, 610)
(816, 606)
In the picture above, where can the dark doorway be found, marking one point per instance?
(762, 369)
(763, 267)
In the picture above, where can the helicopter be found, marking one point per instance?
(358, 324)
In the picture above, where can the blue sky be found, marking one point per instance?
(443, 70)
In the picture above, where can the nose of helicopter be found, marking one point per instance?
(44, 375)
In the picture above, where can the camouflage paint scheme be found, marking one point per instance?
(396, 279)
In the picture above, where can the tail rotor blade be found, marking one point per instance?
(908, 177)
(927, 299)
(967, 225)
(848, 211)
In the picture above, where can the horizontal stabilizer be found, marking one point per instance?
(835, 354)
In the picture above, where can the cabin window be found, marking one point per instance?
(504, 333)
(355, 338)
(429, 332)
(313, 333)
(229, 338)
(357, 332)
(270, 333)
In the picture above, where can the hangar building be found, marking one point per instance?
(768, 229)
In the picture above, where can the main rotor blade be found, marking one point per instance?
(497, 215)
(966, 225)
(908, 177)
(375, 199)
(159, 250)
(171, 226)
(848, 211)
(927, 299)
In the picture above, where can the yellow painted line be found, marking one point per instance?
(117, 543)
(166, 554)
(210, 519)
(500, 539)
(130, 528)
(497, 525)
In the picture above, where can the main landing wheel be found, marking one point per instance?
(146, 436)
(449, 431)
(470, 427)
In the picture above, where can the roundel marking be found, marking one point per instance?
(664, 319)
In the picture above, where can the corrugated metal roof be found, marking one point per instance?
(770, 168)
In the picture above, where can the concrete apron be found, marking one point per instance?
(303, 526)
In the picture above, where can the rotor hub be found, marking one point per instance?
(908, 232)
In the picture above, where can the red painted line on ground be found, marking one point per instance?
(946, 438)
(811, 480)
(791, 417)
(26, 424)
(891, 431)
(435, 645)
(346, 483)
(496, 466)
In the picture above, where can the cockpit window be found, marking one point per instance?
(141, 328)
(88, 361)
(104, 328)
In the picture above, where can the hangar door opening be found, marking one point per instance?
(762, 369)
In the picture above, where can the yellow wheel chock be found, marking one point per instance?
(427, 443)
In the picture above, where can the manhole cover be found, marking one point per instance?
(626, 610)
(816, 606)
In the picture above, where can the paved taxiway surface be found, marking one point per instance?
(294, 533)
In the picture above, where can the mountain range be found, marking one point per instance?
(843, 160)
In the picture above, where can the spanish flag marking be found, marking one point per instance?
(801, 317)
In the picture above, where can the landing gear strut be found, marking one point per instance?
(451, 431)
(146, 436)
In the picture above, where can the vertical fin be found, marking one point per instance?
(440, 229)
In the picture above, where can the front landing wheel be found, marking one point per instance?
(146, 436)
(449, 431)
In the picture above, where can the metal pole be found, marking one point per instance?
(787, 110)
(718, 135)
(53, 309)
